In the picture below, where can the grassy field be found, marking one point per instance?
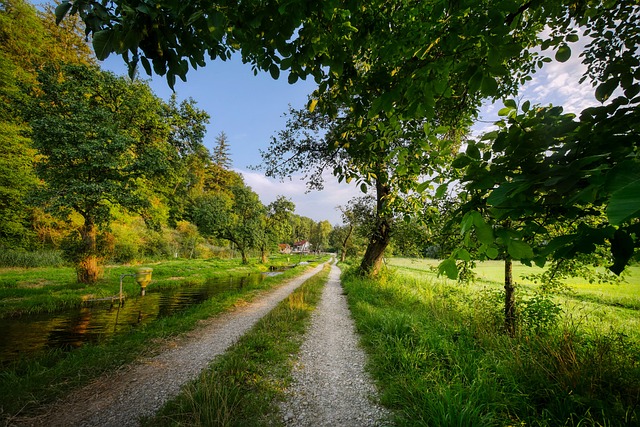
(440, 358)
(28, 384)
(596, 306)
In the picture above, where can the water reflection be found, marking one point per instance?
(28, 335)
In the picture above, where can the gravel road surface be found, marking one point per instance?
(330, 385)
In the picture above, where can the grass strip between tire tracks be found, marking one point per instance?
(244, 385)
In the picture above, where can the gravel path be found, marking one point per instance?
(330, 386)
(120, 399)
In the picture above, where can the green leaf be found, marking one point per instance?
(489, 86)
(61, 11)
(463, 254)
(503, 112)
(519, 249)
(475, 82)
(624, 204)
(492, 252)
(274, 71)
(146, 65)
(572, 38)
(422, 186)
(563, 53)
(473, 151)
(511, 104)
(622, 248)
(484, 232)
(449, 268)
(467, 222)
(461, 161)
(525, 106)
(363, 187)
(441, 190)
(103, 43)
(604, 90)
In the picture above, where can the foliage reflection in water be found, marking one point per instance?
(27, 336)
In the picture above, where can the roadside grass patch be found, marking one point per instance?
(243, 386)
(26, 385)
(439, 359)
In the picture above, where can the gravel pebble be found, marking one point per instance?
(330, 386)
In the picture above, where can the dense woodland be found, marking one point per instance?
(98, 168)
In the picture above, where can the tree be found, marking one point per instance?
(221, 155)
(276, 225)
(383, 63)
(314, 142)
(301, 228)
(545, 171)
(319, 237)
(16, 179)
(236, 217)
(27, 42)
(101, 140)
(341, 240)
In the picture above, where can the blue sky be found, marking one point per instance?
(249, 109)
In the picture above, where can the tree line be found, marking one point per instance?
(100, 167)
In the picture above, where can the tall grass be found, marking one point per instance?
(243, 386)
(440, 359)
(24, 259)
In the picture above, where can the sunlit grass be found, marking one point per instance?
(598, 306)
(440, 358)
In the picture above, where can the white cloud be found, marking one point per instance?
(317, 205)
(556, 83)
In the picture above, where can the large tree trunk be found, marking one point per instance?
(245, 259)
(263, 255)
(372, 260)
(509, 299)
(87, 268)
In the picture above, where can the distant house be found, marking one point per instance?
(302, 246)
(284, 248)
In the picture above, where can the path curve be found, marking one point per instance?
(330, 386)
(141, 389)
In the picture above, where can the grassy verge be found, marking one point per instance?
(243, 386)
(38, 290)
(439, 360)
(26, 385)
